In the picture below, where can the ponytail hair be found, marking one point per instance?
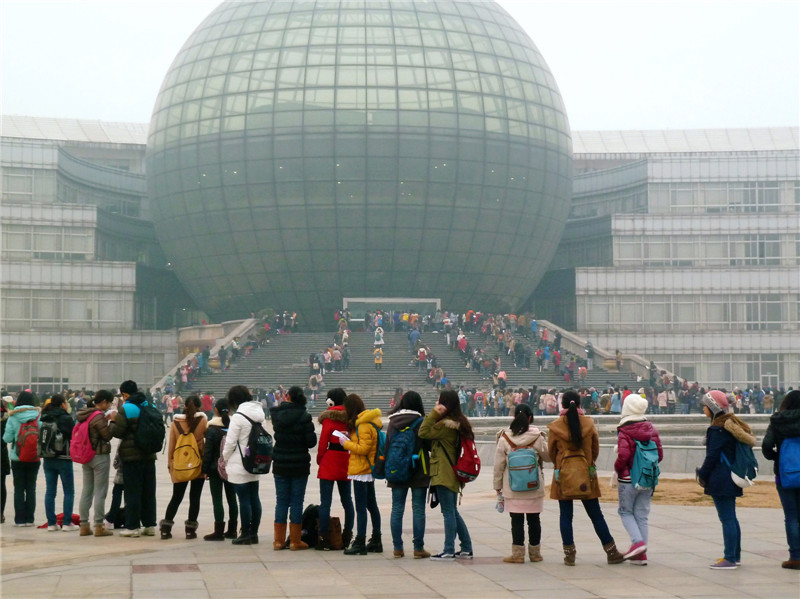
(221, 405)
(523, 416)
(570, 401)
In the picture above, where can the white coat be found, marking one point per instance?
(238, 433)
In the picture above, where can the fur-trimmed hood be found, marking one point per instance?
(402, 418)
(372, 416)
(335, 413)
(216, 421)
(736, 427)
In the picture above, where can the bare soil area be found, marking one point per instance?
(688, 492)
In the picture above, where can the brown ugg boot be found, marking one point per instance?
(569, 555)
(534, 554)
(517, 555)
(614, 556)
(101, 531)
(280, 537)
(86, 529)
(218, 534)
(295, 544)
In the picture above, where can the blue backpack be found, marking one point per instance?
(404, 454)
(789, 463)
(645, 470)
(379, 467)
(744, 468)
(523, 467)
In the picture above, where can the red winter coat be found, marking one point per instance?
(628, 433)
(332, 458)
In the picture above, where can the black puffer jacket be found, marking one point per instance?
(294, 435)
(124, 427)
(64, 422)
(214, 433)
(781, 426)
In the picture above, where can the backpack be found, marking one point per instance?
(523, 467)
(379, 467)
(51, 443)
(28, 441)
(645, 470)
(309, 521)
(574, 477)
(257, 456)
(468, 463)
(789, 463)
(186, 459)
(150, 433)
(81, 450)
(404, 454)
(744, 468)
(221, 465)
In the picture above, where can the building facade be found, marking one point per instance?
(86, 296)
(684, 247)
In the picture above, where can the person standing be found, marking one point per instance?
(378, 353)
(5, 407)
(217, 427)
(192, 422)
(332, 462)
(521, 505)
(294, 435)
(408, 413)
(574, 436)
(364, 424)
(245, 483)
(444, 426)
(96, 471)
(714, 475)
(138, 466)
(785, 424)
(58, 465)
(634, 504)
(25, 468)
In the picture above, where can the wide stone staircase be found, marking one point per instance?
(283, 361)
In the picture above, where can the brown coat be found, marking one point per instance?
(559, 441)
(180, 426)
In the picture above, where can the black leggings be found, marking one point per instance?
(518, 529)
(178, 491)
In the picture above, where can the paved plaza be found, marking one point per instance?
(683, 541)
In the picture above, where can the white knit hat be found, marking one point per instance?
(633, 408)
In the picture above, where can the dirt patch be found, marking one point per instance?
(688, 492)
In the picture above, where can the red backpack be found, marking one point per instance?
(468, 463)
(28, 441)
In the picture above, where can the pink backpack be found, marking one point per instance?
(80, 448)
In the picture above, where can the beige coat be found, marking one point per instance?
(520, 502)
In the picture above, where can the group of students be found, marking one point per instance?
(348, 451)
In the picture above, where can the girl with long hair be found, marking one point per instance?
(444, 426)
(408, 414)
(217, 428)
(573, 436)
(363, 426)
(521, 505)
(193, 421)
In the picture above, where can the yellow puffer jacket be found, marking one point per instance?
(364, 443)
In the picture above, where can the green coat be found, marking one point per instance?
(443, 434)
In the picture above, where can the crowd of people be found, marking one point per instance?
(420, 453)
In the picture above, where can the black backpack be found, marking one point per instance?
(257, 455)
(150, 432)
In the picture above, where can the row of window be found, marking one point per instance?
(708, 250)
(21, 242)
(724, 196)
(729, 370)
(690, 313)
(22, 309)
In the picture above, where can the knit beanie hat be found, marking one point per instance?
(717, 402)
(633, 408)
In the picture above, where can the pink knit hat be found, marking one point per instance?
(717, 402)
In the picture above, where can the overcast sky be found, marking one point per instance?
(634, 64)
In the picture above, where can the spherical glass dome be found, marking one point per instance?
(302, 152)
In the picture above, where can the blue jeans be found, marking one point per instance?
(634, 510)
(24, 475)
(417, 511)
(790, 500)
(592, 507)
(325, 500)
(365, 501)
(55, 468)
(289, 494)
(140, 493)
(453, 522)
(731, 533)
(249, 506)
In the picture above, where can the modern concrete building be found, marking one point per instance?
(303, 152)
(684, 247)
(86, 296)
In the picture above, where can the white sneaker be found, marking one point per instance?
(134, 533)
(69, 527)
(53, 528)
(149, 531)
(109, 525)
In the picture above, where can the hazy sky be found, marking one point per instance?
(635, 64)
